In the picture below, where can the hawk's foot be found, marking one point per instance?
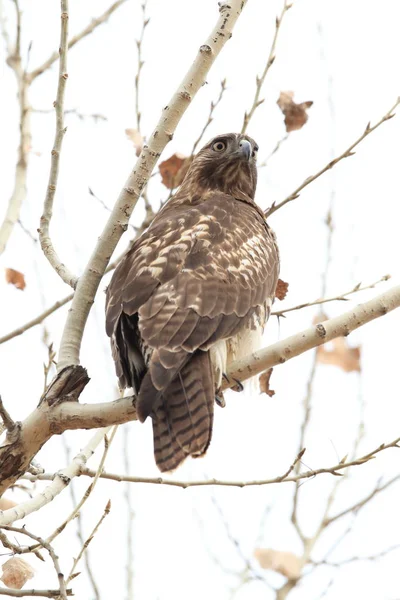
(236, 388)
(219, 399)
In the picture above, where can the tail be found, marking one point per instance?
(183, 418)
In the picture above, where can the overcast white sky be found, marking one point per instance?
(342, 55)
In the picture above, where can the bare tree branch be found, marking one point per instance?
(314, 336)
(356, 288)
(87, 542)
(46, 313)
(75, 39)
(335, 470)
(260, 80)
(89, 490)
(56, 413)
(79, 531)
(44, 234)
(140, 64)
(349, 152)
(18, 195)
(58, 484)
(37, 320)
(62, 593)
(116, 225)
(36, 593)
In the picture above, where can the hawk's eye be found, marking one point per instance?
(255, 150)
(219, 146)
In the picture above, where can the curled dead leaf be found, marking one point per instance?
(281, 289)
(174, 169)
(295, 114)
(264, 380)
(286, 563)
(16, 572)
(136, 138)
(6, 503)
(16, 278)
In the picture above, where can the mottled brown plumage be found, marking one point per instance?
(190, 295)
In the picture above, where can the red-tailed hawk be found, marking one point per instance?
(192, 294)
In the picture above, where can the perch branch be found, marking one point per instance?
(349, 152)
(61, 414)
(171, 115)
(314, 336)
(260, 80)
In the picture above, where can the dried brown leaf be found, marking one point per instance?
(16, 572)
(6, 503)
(136, 138)
(174, 169)
(264, 380)
(295, 114)
(286, 563)
(16, 278)
(281, 289)
(341, 355)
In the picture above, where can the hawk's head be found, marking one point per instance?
(227, 164)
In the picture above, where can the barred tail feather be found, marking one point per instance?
(182, 422)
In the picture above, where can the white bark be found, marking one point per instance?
(171, 115)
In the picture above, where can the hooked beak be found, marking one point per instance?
(245, 149)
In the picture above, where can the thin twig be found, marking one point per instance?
(303, 430)
(44, 235)
(210, 118)
(79, 528)
(73, 111)
(35, 593)
(260, 79)
(37, 320)
(352, 559)
(50, 550)
(335, 470)
(87, 542)
(140, 64)
(357, 505)
(49, 311)
(89, 490)
(349, 152)
(59, 481)
(274, 151)
(76, 38)
(130, 516)
(343, 297)
(19, 192)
